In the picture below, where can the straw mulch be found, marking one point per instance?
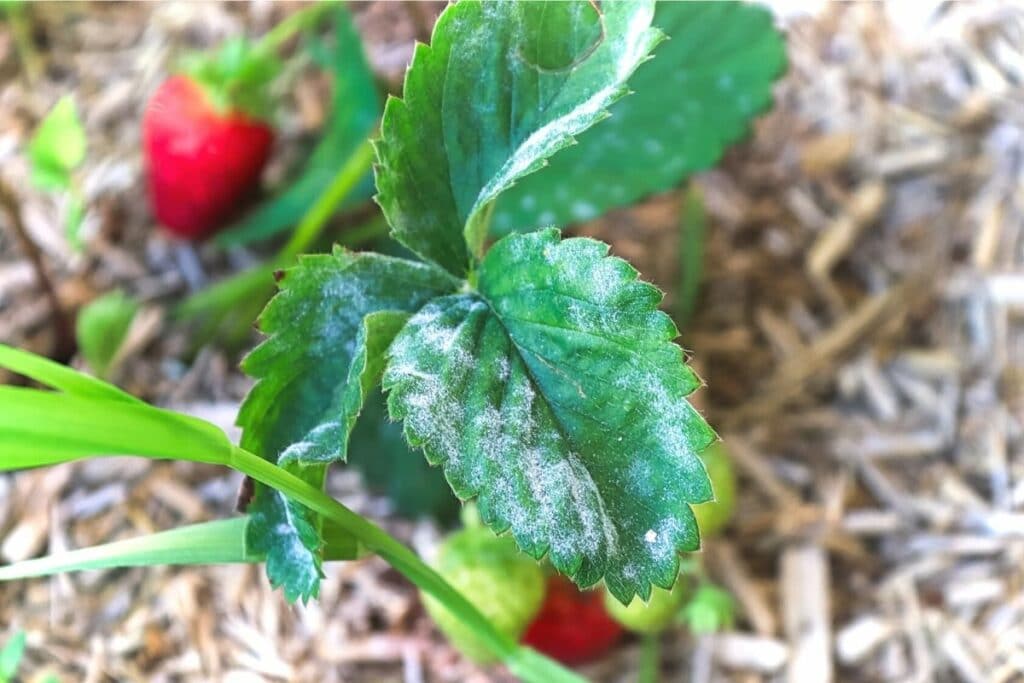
(859, 328)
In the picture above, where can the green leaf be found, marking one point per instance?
(355, 108)
(61, 377)
(557, 398)
(328, 328)
(44, 428)
(379, 451)
(710, 610)
(236, 76)
(501, 87)
(57, 147)
(216, 542)
(11, 655)
(696, 97)
(101, 328)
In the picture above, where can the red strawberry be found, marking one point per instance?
(572, 626)
(206, 139)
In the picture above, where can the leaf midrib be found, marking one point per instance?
(562, 429)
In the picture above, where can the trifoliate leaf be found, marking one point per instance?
(57, 147)
(501, 87)
(355, 108)
(328, 328)
(693, 99)
(555, 396)
(101, 328)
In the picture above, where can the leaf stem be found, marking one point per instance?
(376, 540)
(256, 283)
(64, 338)
(650, 658)
(313, 221)
(295, 22)
(227, 293)
(692, 237)
(21, 29)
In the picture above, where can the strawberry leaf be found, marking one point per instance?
(328, 328)
(57, 147)
(711, 609)
(11, 655)
(697, 96)
(101, 328)
(501, 88)
(555, 396)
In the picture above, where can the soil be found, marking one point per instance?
(859, 327)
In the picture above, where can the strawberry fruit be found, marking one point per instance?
(206, 139)
(572, 626)
(714, 515)
(653, 615)
(505, 584)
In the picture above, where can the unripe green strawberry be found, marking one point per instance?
(651, 616)
(506, 585)
(713, 516)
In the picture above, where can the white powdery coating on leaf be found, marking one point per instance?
(438, 414)
(321, 436)
(517, 454)
(547, 140)
(630, 365)
(559, 403)
(626, 50)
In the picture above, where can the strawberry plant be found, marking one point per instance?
(535, 371)
(207, 131)
(56, 149)
(336, 174)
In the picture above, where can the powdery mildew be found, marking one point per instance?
(556, 398)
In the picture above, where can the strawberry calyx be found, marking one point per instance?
(235, 77)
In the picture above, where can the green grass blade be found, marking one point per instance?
(219, 542)
(61, 377)
(40, 427)
(220, 297)
(531, 665)
(10, 656)
(44, 428)
(339, 544)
